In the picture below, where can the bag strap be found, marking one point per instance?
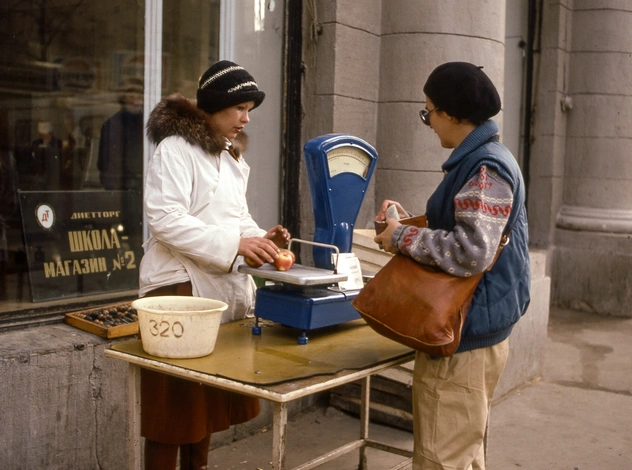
(504, 241)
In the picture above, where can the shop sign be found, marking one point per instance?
(81, 242)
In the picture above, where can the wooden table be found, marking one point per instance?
(274, 367)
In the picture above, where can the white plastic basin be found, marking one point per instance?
(179, 327)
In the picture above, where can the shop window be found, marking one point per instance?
(71, 142)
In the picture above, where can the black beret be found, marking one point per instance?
(226, 84)
(463, 91)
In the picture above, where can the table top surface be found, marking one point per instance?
(274, 358)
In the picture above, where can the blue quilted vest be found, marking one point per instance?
(502, 296)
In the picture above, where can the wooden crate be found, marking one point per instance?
(74, 319)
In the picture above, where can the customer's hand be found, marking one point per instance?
(278, 235)
(381, 216)
(258, 249)
(384, 239)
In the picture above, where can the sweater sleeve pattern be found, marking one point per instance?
(481, 208)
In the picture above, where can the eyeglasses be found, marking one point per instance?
(424, 114)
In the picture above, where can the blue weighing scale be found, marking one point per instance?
(339, 169)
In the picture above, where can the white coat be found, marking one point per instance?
(197, 212)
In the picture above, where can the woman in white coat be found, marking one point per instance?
(200, 226)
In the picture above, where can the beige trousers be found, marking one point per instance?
(451, 402)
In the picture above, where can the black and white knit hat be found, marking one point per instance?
(226, 84)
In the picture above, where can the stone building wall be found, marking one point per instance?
(580, 201)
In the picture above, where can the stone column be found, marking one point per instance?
(593, 254)
(417, 37)
(341, 58)
(548, 124)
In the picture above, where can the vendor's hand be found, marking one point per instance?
(384, 239)
(258, 249)
(381, 216)
(278, 235)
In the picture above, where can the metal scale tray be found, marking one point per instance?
(298, 275)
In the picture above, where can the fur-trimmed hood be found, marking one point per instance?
(177, 115)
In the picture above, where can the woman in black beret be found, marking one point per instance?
(480, 199)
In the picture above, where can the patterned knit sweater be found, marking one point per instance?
(482, 208)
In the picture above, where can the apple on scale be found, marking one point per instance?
(252, 263)
(284, 261)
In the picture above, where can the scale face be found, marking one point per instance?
(348, 159)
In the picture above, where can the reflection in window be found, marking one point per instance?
(71, 95)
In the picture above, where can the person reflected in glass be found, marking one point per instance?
(201, 230)
(480, 199)
(120, 160)
(74, 153)
(46, 159)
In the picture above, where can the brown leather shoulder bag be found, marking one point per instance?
(418, 305)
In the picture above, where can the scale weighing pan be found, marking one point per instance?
(298, 274)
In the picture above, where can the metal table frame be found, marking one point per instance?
(280, 394)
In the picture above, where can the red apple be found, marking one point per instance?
(285, 260)
(252, 263)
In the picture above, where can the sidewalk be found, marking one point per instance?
(578, 416)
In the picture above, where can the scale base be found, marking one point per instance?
(306, 309)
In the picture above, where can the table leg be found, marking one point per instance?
(134, 449)
(365, 407)
(279, 436)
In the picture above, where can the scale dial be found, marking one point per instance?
(348, 159)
